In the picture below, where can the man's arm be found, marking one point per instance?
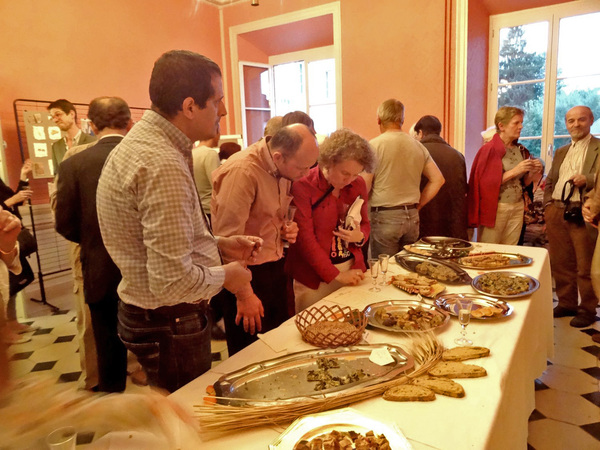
(435, 182)
(68, 203)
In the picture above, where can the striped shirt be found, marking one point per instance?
(151, 220)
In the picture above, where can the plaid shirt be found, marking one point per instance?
(151, 220)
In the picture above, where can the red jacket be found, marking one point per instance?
(308, 259)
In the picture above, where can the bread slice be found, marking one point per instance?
(409, 393)
(456, 369)
(464, 353)
(442, 386)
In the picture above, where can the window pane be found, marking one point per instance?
(530, 98)
(256, 87)
(533, 145)
(324, 117)
(321, 82)
(578, 49)
(559, 142)
(572, 92)
(522, 53)
(289, 87)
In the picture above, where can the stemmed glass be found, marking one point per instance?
(383, 265)
(289, 218)
(464, 317)
(374, 266)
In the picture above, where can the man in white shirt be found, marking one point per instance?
(571, 244)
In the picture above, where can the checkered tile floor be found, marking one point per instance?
(567, 413)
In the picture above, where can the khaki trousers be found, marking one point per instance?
(507, 230)
(571, 253)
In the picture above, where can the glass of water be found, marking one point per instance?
(374, 267)
(464, 317)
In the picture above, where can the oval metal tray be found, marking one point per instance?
(410, 262)
(401, 306)
(283, 379)
(447, 242)
(533, 284)
(449, 303)
(514, 260)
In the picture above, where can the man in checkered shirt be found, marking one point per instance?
(154, 228)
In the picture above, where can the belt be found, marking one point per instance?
(169, 312)
(392, 208)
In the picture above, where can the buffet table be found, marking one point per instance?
(495, 411)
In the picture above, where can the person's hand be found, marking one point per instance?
(237, 276)
(26, 169)
(19, 197)
(527, 165)
(351, 277)
(289, 232)
(350, 236)
(249, 310)
(538, 166)
(240, 248)
(586, 211)
(10, 227)
(579, 180)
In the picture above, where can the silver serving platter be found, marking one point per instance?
(514, 260)
(436, 251)
(401, 306)
(533, 284)
(283, 379)
(447, 242)
(345, 419)
(410, 262)
(449, 303)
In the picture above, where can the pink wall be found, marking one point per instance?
(477, 77)
(81, 50)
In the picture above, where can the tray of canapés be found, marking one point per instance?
(407, 316)
(440, 270)
(484, 307)
(493, 260)
(440, 247)
(505, 284)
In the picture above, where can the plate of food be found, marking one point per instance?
(493, 260)
(418, 284)
(439, 270)
(320, 373)
(440, 247)
(406, 316)
(342, 428)
(505, 284)
(484, 307)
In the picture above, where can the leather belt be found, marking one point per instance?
(169, 312)
(393, 208)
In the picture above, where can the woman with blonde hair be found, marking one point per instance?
(501, 170)
(327, 254)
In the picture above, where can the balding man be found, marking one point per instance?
(251, 193)
(571, 245)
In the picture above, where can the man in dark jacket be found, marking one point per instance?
(446, 213)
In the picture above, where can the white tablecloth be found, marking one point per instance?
(494, 413)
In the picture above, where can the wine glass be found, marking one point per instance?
(383, 265)
(374, 266)
(289, 218)
(464, 316)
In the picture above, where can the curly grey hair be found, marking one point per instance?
(345, 145)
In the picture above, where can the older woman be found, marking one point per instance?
(327, 256)
(500, 171)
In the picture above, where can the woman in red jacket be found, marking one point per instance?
(500, 171)
(327, 253)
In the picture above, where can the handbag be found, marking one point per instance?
(572, 211)
(27, 243)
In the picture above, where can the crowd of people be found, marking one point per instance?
(163, 226)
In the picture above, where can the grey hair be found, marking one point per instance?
(345, 145)
(391, 111)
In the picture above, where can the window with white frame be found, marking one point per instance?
(545, 61)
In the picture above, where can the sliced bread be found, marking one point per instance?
(464, 353)
(456, 369)
(442, 386)
(409, 393)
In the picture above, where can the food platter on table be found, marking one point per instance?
(319, 373)
(418, 284)
(484, 307)
(505, 284)
(405, 316)
(493, 260)
(440, 247)
(344, 420)
(444, 271)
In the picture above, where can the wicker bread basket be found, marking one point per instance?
(331, 338)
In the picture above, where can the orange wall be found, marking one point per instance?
(477, 76)
(83, 49)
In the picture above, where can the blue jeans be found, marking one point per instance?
(172, 343)
(391, 230)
